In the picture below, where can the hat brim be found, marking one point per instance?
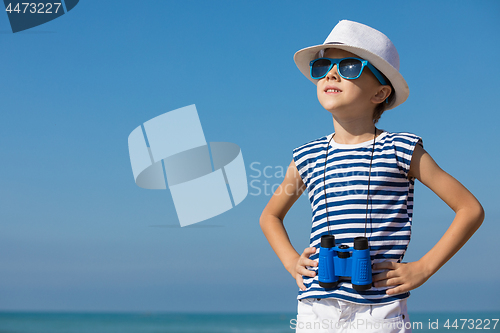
(303, 57)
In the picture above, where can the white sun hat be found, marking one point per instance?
(366, 43)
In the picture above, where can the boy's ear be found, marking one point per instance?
(383, 93)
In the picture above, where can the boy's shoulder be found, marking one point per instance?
(313, 144)
(401, 136)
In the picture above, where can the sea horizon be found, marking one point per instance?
(222, 322)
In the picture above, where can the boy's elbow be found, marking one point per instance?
(477, 212)
(480, 215)
(263, 220)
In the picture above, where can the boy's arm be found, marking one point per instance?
(468, 218)
(271, 222)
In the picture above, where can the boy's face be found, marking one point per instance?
(349, 98)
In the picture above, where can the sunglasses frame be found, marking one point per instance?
(336, 61)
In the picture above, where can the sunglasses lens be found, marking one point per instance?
(350, 68)
(320, 67)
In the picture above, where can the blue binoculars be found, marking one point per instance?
(337, 261)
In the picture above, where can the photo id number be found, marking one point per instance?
(31, 7)
(471, 324)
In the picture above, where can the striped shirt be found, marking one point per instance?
(390, 203)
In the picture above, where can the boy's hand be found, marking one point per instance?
(406, 276)
(300, 267)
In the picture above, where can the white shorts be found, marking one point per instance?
(332, 315)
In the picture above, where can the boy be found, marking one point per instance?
(360, 183)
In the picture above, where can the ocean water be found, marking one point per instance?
(25, 322)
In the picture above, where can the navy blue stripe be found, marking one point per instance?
(361, 232)
(362, 301)
(393, 194)
(334, 218)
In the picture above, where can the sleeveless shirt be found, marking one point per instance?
(387, 211)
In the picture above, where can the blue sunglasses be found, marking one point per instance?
(348, 68)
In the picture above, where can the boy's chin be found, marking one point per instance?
(329, 106)
(333, 105)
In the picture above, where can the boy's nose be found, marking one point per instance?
(332, 74)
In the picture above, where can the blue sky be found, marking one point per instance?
(77, 234)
